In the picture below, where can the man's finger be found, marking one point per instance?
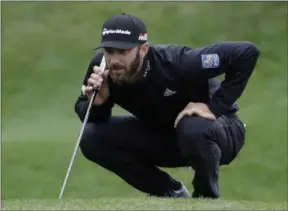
(205, 114)
(88, 88)
(97, 70)
(91, 81)
(208, 116)
(180, 116)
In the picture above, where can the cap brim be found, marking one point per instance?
(116, 44)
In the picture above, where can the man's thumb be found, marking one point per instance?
(105, 74)
(209, 116)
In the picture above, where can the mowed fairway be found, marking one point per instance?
(46, 47)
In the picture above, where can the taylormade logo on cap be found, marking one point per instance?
(115, 31)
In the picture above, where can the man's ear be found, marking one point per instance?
(144, 49)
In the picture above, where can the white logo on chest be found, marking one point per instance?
(169, 92)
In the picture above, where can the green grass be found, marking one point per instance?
(139, 204)
(46, 47)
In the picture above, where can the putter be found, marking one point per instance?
(102, 67)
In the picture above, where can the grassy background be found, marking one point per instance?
(46, 47)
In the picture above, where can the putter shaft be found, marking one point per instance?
(102, 66)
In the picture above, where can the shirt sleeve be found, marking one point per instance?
(236, 60)
(98, 113)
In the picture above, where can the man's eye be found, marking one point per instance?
(122, 51)
(112, 51)
(109, 50)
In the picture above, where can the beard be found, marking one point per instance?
(122, 75)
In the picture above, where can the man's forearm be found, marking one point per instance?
(99, 113)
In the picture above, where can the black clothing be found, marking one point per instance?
(125, 146)
(173, 76)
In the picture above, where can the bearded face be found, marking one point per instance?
(124, 65)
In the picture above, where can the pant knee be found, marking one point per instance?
(191, 134)
(194, 135)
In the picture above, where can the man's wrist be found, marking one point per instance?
(214, 109)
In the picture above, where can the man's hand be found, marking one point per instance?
(199, 109)
(98, 79)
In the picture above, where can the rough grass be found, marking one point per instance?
(46, 47)
(139, 204)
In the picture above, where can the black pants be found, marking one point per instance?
(133, 151)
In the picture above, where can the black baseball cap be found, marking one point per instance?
(123, 31)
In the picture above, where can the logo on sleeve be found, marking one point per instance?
(210, 61)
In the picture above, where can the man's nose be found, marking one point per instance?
(114, 59)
